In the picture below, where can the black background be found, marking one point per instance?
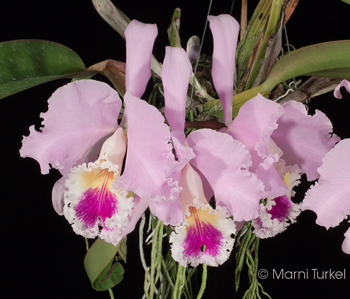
(41, 257)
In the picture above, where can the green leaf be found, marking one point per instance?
(27, 63)
(173, 30)
(330, 59)
(122, 251)
(274, 19)
(346, 1)
(98, 263)
(248, 46)
(112, 15)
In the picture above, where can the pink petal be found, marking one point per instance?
(304, 139)
(329, 198)
(57, 195)
(346, 243)
(225, 30)
(114, 148)
(253, 126)
(148, 149)
(267, 173)
(176, 74)
(169, 211)
(183, 154)
(208, 190)
(168, 207)
(192, 188)
(224, 162)
(94, 152)
(344, 83)
(139, 44)
(80, 114)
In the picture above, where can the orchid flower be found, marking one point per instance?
(329, 197)
(274, 134)
(103, 195)
(207, 163)
(278, 212)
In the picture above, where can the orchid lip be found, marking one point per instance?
(93, 205)
(205, 236)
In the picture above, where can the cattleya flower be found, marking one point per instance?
(329, 197)
(277, 213)
(207, 163)
(281, 134)
(110, 171)
(274, 134)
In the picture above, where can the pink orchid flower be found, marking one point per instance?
(274, 135)
(329, 197)
(103, 195)
(207, 163)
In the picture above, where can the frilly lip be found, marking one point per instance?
(110, 148)
(266, 225)
(277, 213)
(207, 227)
(93, 206)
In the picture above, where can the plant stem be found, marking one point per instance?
(153, 258)
(178, 283)
(204, 282)
(111, 293)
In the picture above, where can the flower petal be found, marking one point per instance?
(176, 74)
(148, 150)
(139, 44)
(225, 30)
(192, 48)
(57, 195)
(114, 148)
(275, 216)
(90, 201)
(267, 173)
(329, 198)
(128, 225)
(167, 210)
(167, 207)
(304, 139)
(80, 114)
(207, 227)
(344, 83)
(253, 126)
(192, 188)
(224, 162)
(346, 243)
